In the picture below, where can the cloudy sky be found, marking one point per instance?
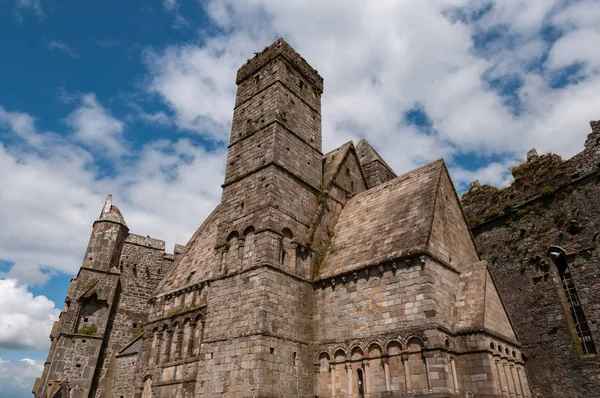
(135, 98)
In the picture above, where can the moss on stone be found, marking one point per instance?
(88, 331)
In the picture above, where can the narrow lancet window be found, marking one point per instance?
(568, 284)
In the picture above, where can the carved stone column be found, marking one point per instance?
(386, 371)
(523, 381)
(407, 377)
(350, 384)
(153, 350)
(333, 381)
(502, 378)
(168, 343)
(515, 377)
(454, 374)
(160, 349)
(367, 368)
(191, 339)
(509, 380)
(426, 356)
(317, 370)
(179, 345)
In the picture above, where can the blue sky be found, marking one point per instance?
(136, 98)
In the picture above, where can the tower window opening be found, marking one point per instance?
(301, 84)
(257, 79)
(584, 334)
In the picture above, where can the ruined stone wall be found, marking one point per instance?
(551, 203)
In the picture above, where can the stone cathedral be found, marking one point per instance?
(318, 275)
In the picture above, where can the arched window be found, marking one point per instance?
(584, 334)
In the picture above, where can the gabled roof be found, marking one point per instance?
(416, 212)
(367, 154)
(333, 160)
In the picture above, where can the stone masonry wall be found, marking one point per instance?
(142, 267)
(125, 368)
(257, 332)
(410, 298)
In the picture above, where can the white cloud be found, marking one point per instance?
(26, 320)
(20, 124)
(179, 21)
(379, 60)
(376, 71)
(62, 47)
(198, 84)
(166, 191)
(170, 5)
(17, 377)
(95, 127)
(35, 6)
(494, 173)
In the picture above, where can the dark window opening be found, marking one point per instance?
(189, 278)
(271, 350)
(85, 319)
(301, 84)
(257, 79)
(584, 334)
(361, 392)
(135, 325)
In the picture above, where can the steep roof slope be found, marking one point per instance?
(376, 170)
(198, 261)
(478, 304)
(416, 212)
(333, 160)
(390, 220)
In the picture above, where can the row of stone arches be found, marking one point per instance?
(176, 341)
(391, 346)
(374, 368)
(239, 251)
